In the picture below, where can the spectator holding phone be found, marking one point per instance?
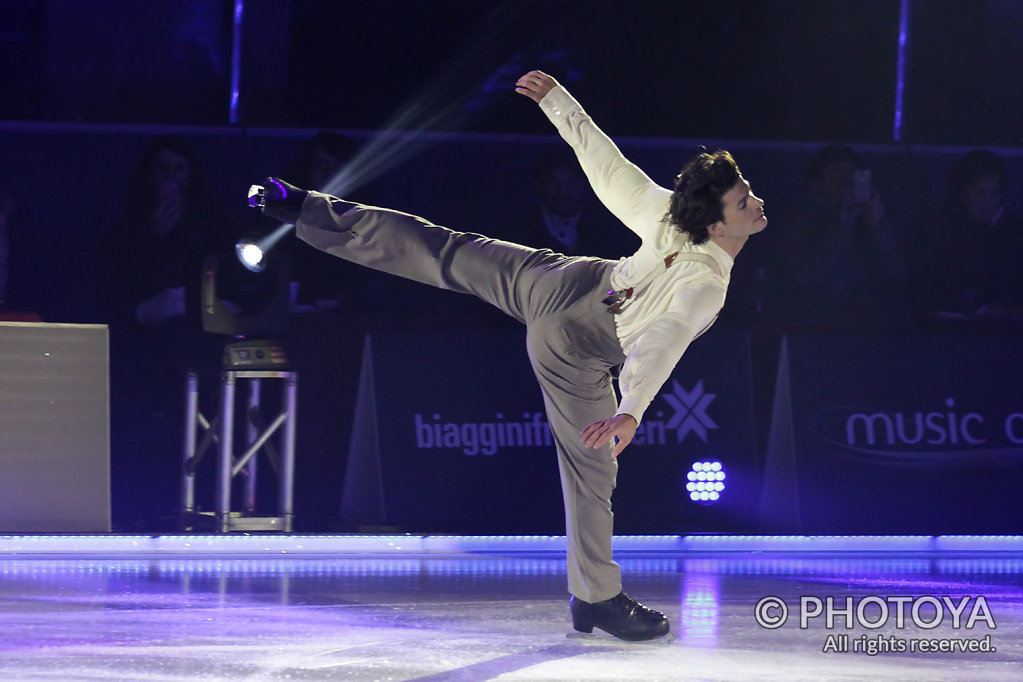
(838, 265)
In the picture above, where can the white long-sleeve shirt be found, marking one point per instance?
(671, 305)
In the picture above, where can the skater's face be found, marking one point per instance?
(743, 213)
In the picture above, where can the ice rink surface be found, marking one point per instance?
(473, 617)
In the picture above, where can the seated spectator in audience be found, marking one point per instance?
(838, 267)
(321, 284)
(150, 268)
(563, 216)
(321, 158)
(969, 257)
(152, 258)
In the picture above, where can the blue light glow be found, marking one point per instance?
(380, 566)
(900, 80)
(236, 47)
(705, 482)
(284, 546)
(700, 607)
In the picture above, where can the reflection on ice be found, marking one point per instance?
(469, 616)
(700, 609)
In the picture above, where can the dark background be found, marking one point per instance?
(737, 69)
(86, 84)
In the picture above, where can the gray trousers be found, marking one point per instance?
(570, 338)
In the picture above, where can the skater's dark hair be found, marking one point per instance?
(696, 202)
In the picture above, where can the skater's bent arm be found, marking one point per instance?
(621, 186)
(652, 358)
(650, 364)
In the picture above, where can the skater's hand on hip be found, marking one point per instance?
(535, 85)
(621, 426)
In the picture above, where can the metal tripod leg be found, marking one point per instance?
(252, 433)
(191, 418)
(224, 452)
(287, 478)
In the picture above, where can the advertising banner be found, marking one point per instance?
(898, 435)
(450, 435)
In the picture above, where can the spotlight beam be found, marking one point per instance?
(443, 105)
(252, 254)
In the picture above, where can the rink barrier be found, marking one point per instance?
(267, 545)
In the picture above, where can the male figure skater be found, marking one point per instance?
(584, 316)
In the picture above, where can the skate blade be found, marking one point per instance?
(599, 637)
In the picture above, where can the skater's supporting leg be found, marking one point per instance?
(571, 353)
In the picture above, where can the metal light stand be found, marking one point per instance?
(258, 436)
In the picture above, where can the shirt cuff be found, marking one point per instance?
(634, 406)
(557, 103)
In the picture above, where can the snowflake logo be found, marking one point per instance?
(690, 411)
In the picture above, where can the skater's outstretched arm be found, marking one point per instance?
(621, 186)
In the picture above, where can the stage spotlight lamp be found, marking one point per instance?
(705, 482)
(250, 254)
(252, 250)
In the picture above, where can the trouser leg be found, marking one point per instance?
(411, 247)
(571, 353)
(570, 338)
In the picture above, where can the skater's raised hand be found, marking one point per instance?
(535, 85)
